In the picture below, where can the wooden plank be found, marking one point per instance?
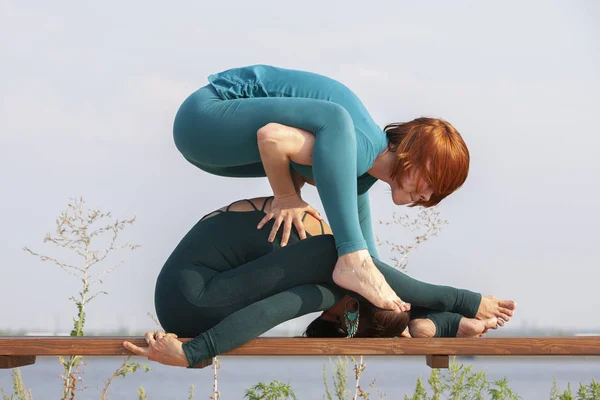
(111, 346)
(16, 361)
(437, 361)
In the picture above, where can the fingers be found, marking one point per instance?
(149, 336)
(159, 335)
(275, 228)
(265, 219)
(287, 230)
(314, 213)
(140, 351)
(300, 227)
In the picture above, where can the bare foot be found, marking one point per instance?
(356, 271)
(470, 327)
(491, 306)
(421, 328)
(405, 334)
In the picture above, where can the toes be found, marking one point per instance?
(392, 305)
(507, 311)
(501, 322)
(509, 304)
(490, 323)
(402, 306)
(505, 317)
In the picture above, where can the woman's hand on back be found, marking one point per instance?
(288, 211)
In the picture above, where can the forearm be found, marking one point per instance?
(335, 173)
(435, 297)
(366, 224)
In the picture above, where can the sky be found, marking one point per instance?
(89, 90)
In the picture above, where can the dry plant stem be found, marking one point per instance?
(358, 370)
(428, 217)
(75, 231)
(113, 376)
(153, 318)
(216, 365)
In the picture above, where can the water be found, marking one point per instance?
(531, 378)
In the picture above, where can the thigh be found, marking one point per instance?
(256, 170)
(222, 133)
(310, 261)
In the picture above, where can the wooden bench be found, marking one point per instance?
(18, 351)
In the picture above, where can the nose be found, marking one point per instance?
(426, 194)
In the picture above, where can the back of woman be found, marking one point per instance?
(220, 242)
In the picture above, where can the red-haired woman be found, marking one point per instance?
(255, 121)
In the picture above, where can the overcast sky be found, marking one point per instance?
(88, 92)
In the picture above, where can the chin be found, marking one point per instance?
(401, 201)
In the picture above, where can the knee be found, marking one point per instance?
(269, 133)
(338, 117)
(421, 328)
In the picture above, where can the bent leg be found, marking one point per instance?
(249, 322)
(213, 132)
(311, 261)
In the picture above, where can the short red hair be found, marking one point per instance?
(435, 150)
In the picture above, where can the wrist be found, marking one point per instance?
(283, 196)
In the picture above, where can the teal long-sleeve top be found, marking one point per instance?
(347, 141)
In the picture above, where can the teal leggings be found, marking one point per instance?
(219, 137)
(225, 285)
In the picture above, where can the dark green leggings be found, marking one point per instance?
(225, 284)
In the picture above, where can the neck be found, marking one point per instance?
(382, 166)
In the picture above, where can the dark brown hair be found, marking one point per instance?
(374, 322)
(434, 150)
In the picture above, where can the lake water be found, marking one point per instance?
(531, 378)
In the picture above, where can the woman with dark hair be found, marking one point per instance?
(234, 126)
(225, 284)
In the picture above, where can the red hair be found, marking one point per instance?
(434, 150)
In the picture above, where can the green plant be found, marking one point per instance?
(20, 393)
(122, 371)
(502, 391)
(275, 390)
(460, 383)
(339, 372)
(420, 392)
(585, 392)
(141, 393)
